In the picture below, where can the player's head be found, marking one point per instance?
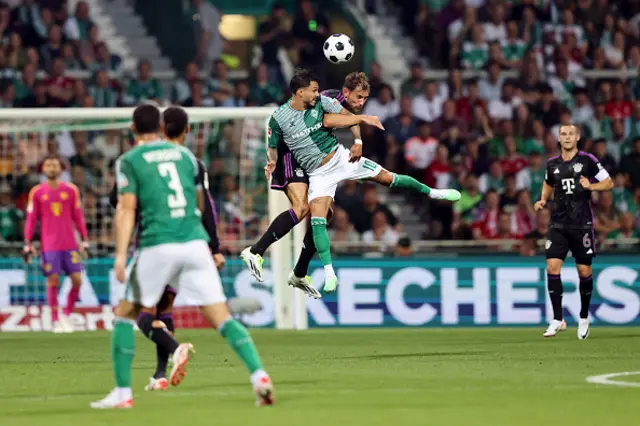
(305, 88)
(356, 90)
(51, 166)
(147, 120)
(569, 136)
(176, 123)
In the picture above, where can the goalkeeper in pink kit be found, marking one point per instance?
(58, 208)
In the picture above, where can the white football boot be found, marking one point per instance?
(555, 327)
(583, 328)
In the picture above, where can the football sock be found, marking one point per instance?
(321, 239)
(122, 351)
(586, 288)
(72, 298)
(404, 181)
(308, 251)
(280, 227)
(159, 336)
(306, 255)
(554, 284)
(52, 301)
(240, 341)
(162, 354)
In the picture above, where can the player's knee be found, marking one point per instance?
(301, 210)
(385, 178)
(53, 281)
(125, 310)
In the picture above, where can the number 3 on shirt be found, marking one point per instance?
(177, 199)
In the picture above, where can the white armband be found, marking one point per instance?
(357, 141)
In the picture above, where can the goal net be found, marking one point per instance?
(230, 142)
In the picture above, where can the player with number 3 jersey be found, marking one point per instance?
(571, 178)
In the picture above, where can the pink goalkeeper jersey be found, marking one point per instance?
(57, 210)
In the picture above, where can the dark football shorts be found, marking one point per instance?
(287, 171)
(581, 243)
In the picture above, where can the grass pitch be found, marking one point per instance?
(398, 377)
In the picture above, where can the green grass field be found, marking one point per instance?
(335, 377)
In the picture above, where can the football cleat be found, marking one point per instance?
(180, 360)
(264, 392)
(555, 327)
(583, 328)
(160, 384)
(115, 399)
(253, 262)
(305, 284)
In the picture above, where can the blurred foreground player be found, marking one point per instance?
(156, 322)
(571, 177)
(158, 178)
(58, 207)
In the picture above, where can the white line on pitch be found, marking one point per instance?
(605, 379)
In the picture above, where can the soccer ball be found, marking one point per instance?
(339, 48)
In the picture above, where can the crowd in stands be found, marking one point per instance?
(488, 136)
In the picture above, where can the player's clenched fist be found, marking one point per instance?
(219, 260)
(539, 205)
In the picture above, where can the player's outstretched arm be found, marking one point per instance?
(124, 222)
(338, 121)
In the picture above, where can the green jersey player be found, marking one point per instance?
(304, 124)
(158, 178)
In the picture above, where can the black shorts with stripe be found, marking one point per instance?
(287, 171)
(581, 243)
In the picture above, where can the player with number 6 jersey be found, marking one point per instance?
(571, 178)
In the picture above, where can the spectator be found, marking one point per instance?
(531, 177)
(512, 162)
(384, 106)
(476, 157)
(272, 34)
(463, 209)
(310, 29)
(220, 88)
(622, 196)
(491, 88)
(415, 84)
(509, 195)
(398, 130)
(381, 235)
(143, 88)
(263, 92)
(438, 173)
(428, 106)
(493, 179)
(59, 87)
(341, 230)
(363, 217)
(513, 47)
(465, 106)
(53, 48)
(240, 96)
(495, 29)
(209, 40)
(631, 164)
(502, 108)
(523, 218)
(607, 216)
(102, 91)
(78, 26)
(420, 150)
(485, 220)
(600, 125)
(104, 60)
(475, 53)
(625, 231)
(448, 120)
(39, 99)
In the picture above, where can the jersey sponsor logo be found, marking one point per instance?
(568, 185)
(306, 132)
(162, 155)
(577, 167)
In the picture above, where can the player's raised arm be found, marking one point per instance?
(338, 121)
(356, 148)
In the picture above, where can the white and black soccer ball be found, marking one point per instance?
(339, 48)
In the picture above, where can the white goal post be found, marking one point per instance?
(289, 305)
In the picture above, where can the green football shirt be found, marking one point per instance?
(162, 176)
